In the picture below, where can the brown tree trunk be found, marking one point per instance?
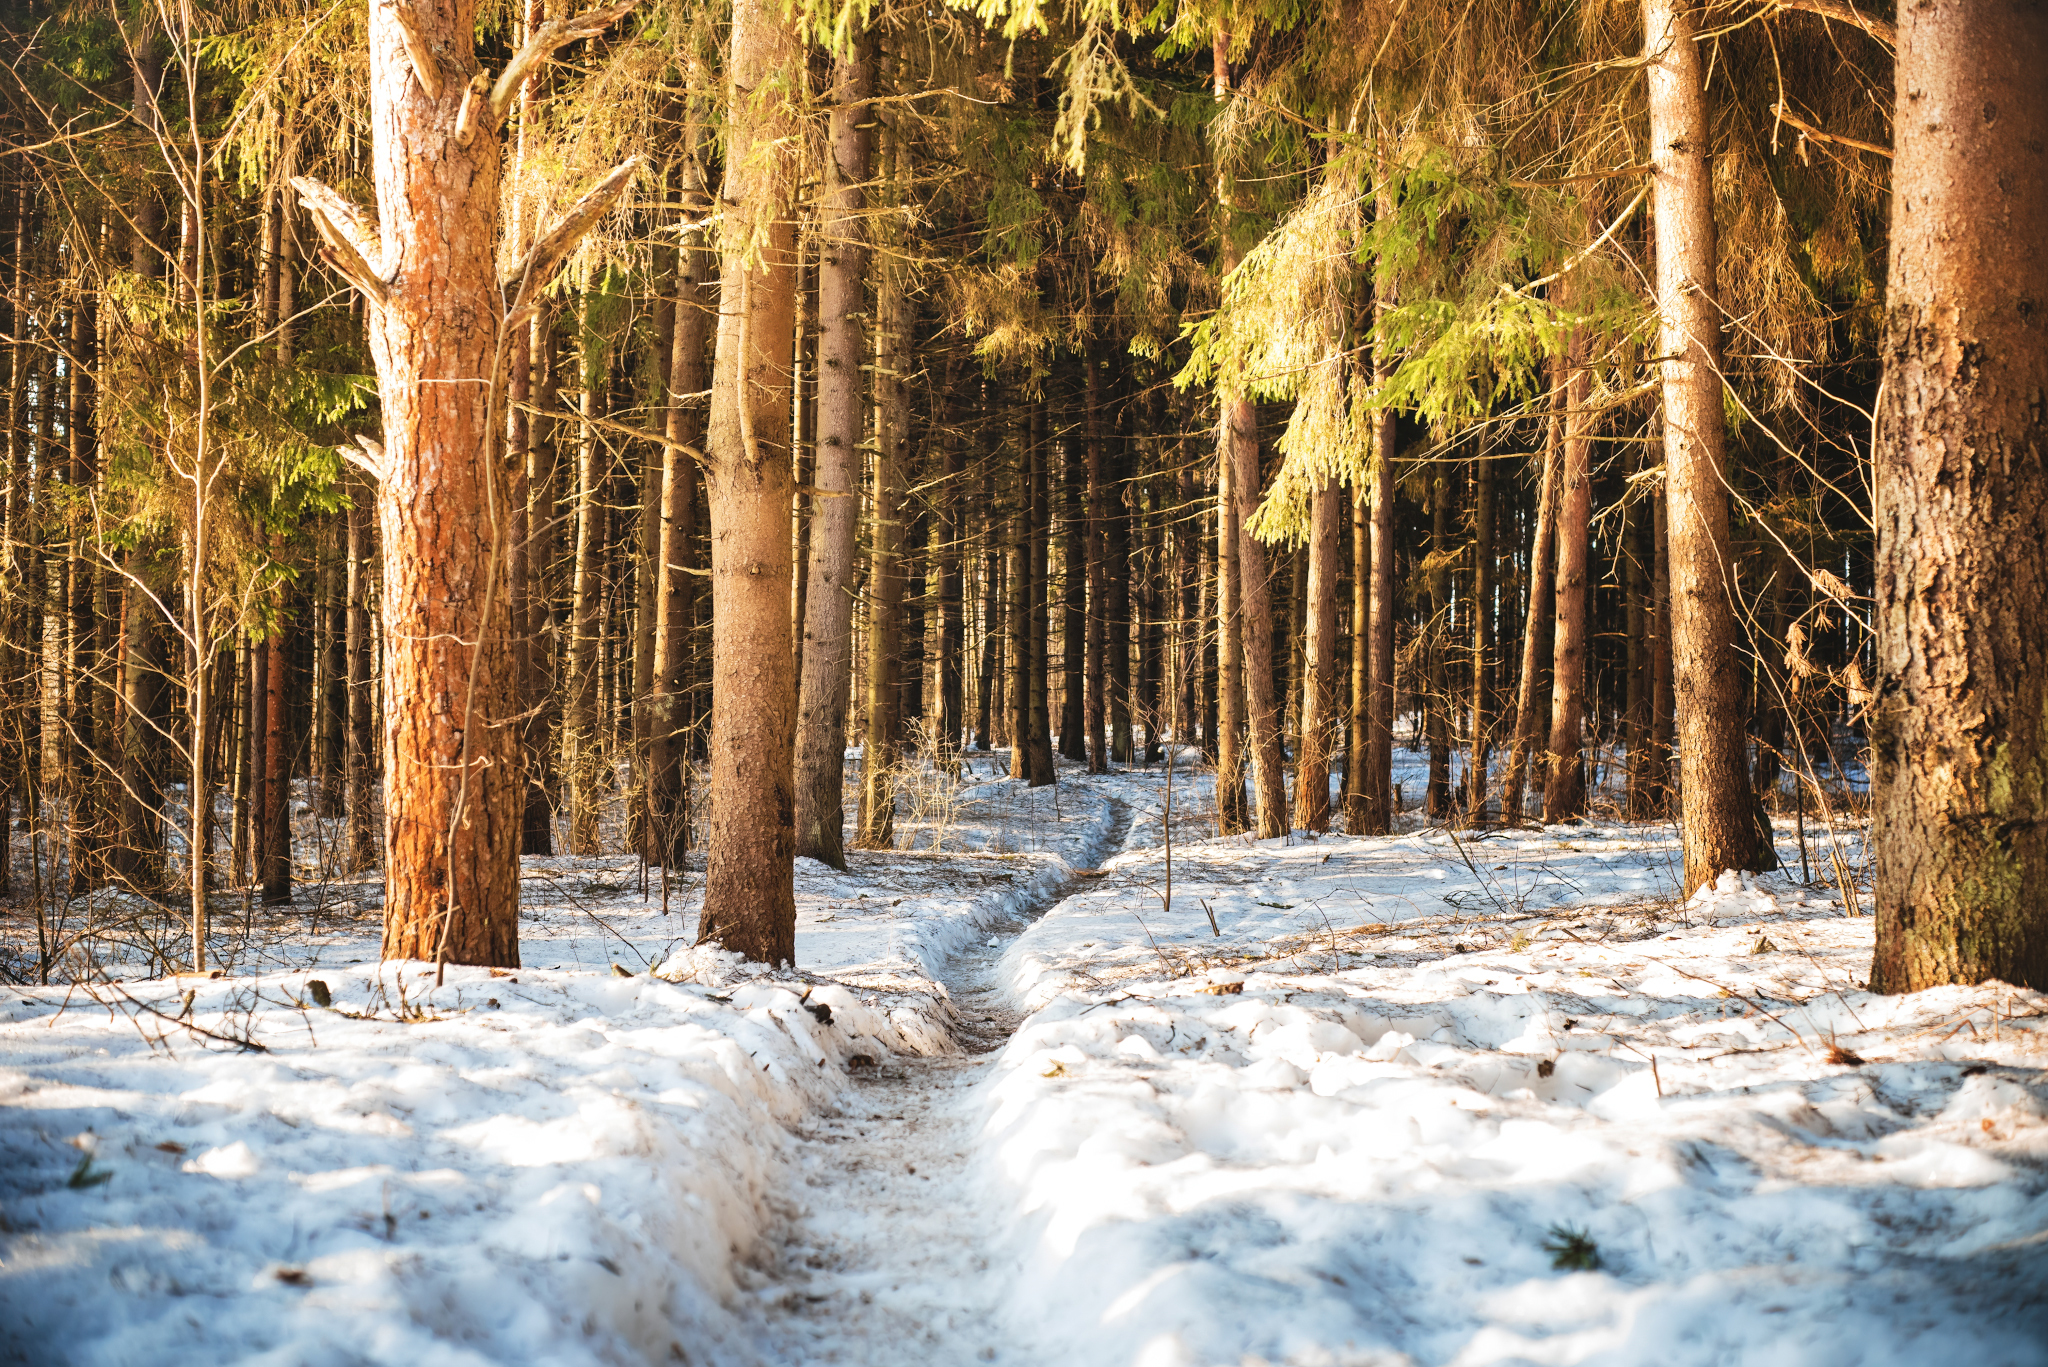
(749, 896)
(1319, 689)
(1074, 605)
(1378, 779)
(841, 414)
(1636, 585)
(1262, 707)
(1960, 724)
(1233, 812)
(1359, 714)
(1440, 708)
(1482, 634)
(882, 739)
(361, 839)
(676, 602)
(1564, 792)
(276, 873)
(583, 733)
(1718, 819)
(1097, 706)
(952, 591)
(1039, 560)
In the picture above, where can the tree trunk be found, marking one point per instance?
(882, 739)
(1097, 706)
(1378, 779)
(676, 602)
(277, 764)
(951, 554)
(1039, 561)
(1564, 792)
(1960, 726)
(452, 767)
(361, 839)
(1319, 694)
(1233, 812)
(1074, 604)
(583, 732)
(1636, 586)
(1718, 820)
(841, 415)
(1262, 707)
(540, 663)
(1440, 707)
(1358, 742)
(1482, 634)
(749, 896)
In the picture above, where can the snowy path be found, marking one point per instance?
(885, 1259)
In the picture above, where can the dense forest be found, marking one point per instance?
(441, 431)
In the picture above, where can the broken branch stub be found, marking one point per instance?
(555, 33)
(351, 238)
(547, 255)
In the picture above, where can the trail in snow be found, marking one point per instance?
(885, 1256)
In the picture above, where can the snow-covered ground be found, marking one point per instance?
(1491, 1098)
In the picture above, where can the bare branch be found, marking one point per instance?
(557, 242)
(423, 64)
(352, 239)
(1848, 14)
(549, 36)
(1816, 135)
(371, 461)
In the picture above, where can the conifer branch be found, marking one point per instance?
(553, 248)
(1848, 14)
(352, 240)
(423, 64)
(553, 34)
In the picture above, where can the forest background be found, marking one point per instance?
(487, 413)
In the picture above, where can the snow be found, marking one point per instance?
(1358, 1121)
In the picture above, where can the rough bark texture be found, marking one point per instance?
(1233, 814)
(828, 602)
(1319, 687)
(1960, 723)
(451, 766)
(1717, 818)
(749, 897)
(1564, 791)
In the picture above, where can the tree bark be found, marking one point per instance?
(1536, 625)
(1482, 634)
(749, 896)
(1233, 812)
(835, 525)
(1378, 779)
(1097, 707)
(583, 731)
(1718, 821)
(1319, 689)
(1564, 792)
(1359, 715)
(1256, 620)
(276, 874)
(676, 602)
(1440, 708)
(360, 841)
(1960, 722)
(883, 736)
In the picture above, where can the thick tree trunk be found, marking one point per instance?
(1718, 820)
(1564, 792)
(749, 897)
(452, 768)
(1960, 725)
(1319, 689)
(841, 413)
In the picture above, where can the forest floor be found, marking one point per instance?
(1441, 1097)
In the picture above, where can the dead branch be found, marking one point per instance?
(555, 33)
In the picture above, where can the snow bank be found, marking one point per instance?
(537, 1168)
(1504, 1103)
